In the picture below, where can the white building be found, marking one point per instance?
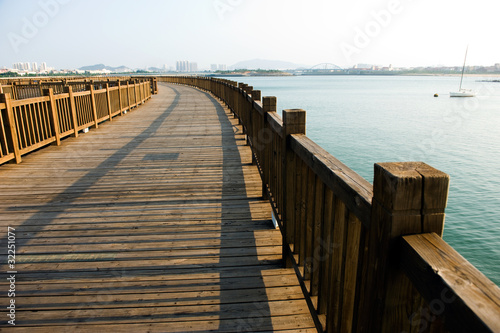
(186, 66)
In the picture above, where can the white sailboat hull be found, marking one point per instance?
(462, 93)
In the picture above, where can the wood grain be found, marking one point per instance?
(155, 222)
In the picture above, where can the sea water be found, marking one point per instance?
(362, 120)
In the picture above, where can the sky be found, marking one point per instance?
(404, 33)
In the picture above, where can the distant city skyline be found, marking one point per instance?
(404, 33)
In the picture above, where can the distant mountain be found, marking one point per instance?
(265, 64)
(100, 67)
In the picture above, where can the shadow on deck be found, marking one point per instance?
(152, 223)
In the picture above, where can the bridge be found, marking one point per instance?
(146, 204)
(325, 68)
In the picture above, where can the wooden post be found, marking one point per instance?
(155, 86)
(108, 99)
(256, 95)
(128, 95)
(408, 198)
(69, 90)
(55, 117)
(294, 122)
(12, 126)
(94, 108)
(268, 105)
(135, 92)
(120, 97)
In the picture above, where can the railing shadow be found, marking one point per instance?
(101, 295)
(255, 314)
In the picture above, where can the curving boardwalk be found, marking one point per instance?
(153, 222)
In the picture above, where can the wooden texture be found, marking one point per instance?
(469, 301)
(154, 222)
(343, 233)
(401, 195)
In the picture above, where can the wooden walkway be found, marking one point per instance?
(153, 222)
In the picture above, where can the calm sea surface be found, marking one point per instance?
(362, 120)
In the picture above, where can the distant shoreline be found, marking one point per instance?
(356, 74)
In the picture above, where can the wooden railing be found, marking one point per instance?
(29, 122)
(369, 258)
(20, 88)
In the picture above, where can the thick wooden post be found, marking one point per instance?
(94, 108)
(408, 198)
(54, 116)
(268, 105)
(294, 122)
(69, 90)
(12, 127)
(155, 86)
(256, 95)
(108, 100)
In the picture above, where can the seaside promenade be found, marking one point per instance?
(145, 204)
(153, 222)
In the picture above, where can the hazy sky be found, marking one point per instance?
(74, 33)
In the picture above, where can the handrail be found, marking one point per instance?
(22, 88)
(344, 236)
(451, 285)
(30, 123)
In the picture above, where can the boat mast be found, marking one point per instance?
(463, 68)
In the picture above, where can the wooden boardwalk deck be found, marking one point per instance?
(153, 222)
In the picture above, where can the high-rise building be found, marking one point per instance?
(213, 67)
(222, 67)
(186, 66)
(34, 67)
(43, 67)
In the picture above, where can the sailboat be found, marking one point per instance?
(461, 91)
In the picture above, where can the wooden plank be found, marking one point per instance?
(296, 324)
(337, 260)
(7, 158)
(34, 100)
(453, 287)
(151, 221)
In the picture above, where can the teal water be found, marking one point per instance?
(362, 120)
